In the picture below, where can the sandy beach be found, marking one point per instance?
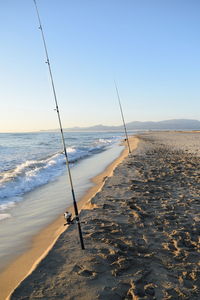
(43, 241)
(141, 231)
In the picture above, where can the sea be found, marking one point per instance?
(31, 160)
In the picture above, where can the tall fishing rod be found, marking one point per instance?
(61, 129)
(120, 106)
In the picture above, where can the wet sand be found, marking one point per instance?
(43, 242)
(141, 231)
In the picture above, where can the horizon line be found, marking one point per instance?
(73, 129)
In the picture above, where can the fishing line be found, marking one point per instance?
(61, 129)
(123, 120)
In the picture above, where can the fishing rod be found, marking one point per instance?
(127, 140)
(61, 129)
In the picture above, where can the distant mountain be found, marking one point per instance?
(93, 128)
(176, 124)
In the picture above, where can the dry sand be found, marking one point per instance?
(44, 241)
(141, 232)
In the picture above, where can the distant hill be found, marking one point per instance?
(176, 124)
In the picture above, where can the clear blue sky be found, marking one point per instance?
(151, 48)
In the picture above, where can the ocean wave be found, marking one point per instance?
(29, 175)
(105, 141)
(34, 173)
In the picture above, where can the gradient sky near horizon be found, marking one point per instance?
(150, 47)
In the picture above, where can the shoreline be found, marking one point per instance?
(141, 232)
(44, 241)
(99, 180)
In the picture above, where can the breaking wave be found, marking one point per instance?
(34, 173)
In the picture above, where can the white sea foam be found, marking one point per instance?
(29, 175)
(6, 205)
(105, 141)
(4, 216)
(71, 150)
